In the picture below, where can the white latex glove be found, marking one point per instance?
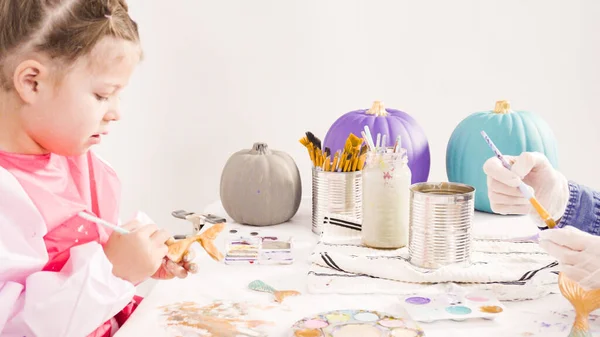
(577, 252)
(550, 187)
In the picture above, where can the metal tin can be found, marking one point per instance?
(440, 225)
(335, 193)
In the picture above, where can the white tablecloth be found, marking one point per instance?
(548, 317)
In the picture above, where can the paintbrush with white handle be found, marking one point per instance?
(105, 223)
(177, 249)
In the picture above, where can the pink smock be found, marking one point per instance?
(55, 279)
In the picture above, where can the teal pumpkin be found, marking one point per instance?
(513, 132)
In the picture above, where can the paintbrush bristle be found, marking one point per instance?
(313, 139)
(327, 152)
(363, 149)
(354, 140)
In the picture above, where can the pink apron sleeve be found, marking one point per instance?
(73, 302)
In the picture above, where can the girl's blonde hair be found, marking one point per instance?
(64, 30)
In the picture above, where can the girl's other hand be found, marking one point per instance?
(170, 269)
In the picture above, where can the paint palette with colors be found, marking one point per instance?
(449, 306)
(356, 323)
(244, 247)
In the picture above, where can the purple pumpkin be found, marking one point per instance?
(388, 122)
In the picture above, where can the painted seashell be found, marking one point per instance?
(177, 249)
(280, 295)
(584, 302)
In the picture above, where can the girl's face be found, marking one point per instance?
(69, 114)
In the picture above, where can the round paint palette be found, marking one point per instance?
(457, 307)
(356, 323)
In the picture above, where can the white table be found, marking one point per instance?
(218, 281)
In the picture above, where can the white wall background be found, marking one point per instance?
(221, 75)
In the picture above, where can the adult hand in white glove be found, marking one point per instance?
(549, 186)
(577, 252)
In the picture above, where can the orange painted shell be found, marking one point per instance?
(281, 295)
(177, 249)
(584, 302)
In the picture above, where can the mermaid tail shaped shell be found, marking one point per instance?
(177, 249)
(280, 295)
(584, 302)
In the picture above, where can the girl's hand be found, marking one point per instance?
(139, 254)
(170, 269)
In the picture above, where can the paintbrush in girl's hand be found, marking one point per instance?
(177, 249)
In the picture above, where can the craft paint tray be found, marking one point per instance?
(250, 247)
(452, 305)
(363, 323)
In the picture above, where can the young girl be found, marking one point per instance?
(63, 64)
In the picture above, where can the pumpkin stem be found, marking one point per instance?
(502, 107)
(377, 109)
(260, 148)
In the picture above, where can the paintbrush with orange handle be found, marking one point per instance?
(326, 154)
(336, 158)
(522, 187)
(362, 157)
(309, 147)
(348, 162)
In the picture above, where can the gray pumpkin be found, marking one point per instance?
(261, 187)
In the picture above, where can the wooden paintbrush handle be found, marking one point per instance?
(361, 161)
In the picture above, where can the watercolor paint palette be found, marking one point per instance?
(254, 248)
(452, 306)
(356, 323)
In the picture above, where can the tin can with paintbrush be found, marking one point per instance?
(335, 193)
(336, 179)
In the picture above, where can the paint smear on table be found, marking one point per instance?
(217, 319)
(557, 324)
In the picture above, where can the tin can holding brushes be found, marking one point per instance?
(335, 193)
(336, 179)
